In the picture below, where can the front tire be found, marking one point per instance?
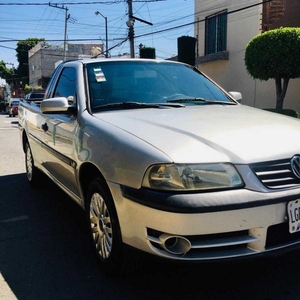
(104, 229)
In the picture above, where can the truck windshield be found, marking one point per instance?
(150, 82)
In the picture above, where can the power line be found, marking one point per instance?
(123, 40)
(60, 40)
(144, 34)
(75, 3)
(64, 3)
(150, 33)
(202, 20)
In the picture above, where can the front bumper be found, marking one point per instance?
(207, 226)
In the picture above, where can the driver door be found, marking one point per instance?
(60, 132)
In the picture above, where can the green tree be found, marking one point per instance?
(5, 73)
(22, 55)
(30, 88)
(275, 54)
(8, 74)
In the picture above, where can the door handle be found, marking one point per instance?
(44, 127)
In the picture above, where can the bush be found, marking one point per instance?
(147, 52)
(287, 112)
(30, 88)
(275, 54)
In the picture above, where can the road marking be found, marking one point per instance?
(16, 219)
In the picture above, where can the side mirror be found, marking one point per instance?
(57, 105)
(237, 96)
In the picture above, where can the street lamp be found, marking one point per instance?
(106, 42)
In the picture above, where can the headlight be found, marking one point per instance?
(192, 177)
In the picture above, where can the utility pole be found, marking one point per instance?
(130, 24)
(106, 35)
(67, 16)
(65, 37)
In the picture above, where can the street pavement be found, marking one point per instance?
(44, 252)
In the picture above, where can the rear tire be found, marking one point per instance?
(33, 174)
(104, 229)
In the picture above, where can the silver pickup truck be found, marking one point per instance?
(165, 161)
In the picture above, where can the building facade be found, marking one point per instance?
(224, 28)
(43, 58)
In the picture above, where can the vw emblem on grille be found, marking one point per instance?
(295, 164)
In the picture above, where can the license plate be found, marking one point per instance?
(294, 215)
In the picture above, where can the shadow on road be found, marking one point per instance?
(44, 254)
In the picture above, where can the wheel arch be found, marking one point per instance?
(87, 173)
(24, 140)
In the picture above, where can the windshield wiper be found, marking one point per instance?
(200, 100)
(132, 105)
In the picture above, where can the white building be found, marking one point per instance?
(223, 29)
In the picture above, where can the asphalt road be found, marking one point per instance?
(44, 253)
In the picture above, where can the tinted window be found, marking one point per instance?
(66, 86)
(37, 95)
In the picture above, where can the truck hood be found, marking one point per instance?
(212, 133)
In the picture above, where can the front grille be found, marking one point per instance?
(276, 174)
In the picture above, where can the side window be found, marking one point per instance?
(66, 85)
(216, 33)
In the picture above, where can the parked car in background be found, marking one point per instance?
(12, 108)
(165, 161)
(36, 96)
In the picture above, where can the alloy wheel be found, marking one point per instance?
(101, 227)
(29, 164)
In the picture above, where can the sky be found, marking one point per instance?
(22, 19)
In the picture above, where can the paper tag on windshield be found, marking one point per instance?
(99, 75)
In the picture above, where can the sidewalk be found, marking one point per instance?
(5, 292)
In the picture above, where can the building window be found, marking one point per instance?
(273, 15)
(216, 33)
